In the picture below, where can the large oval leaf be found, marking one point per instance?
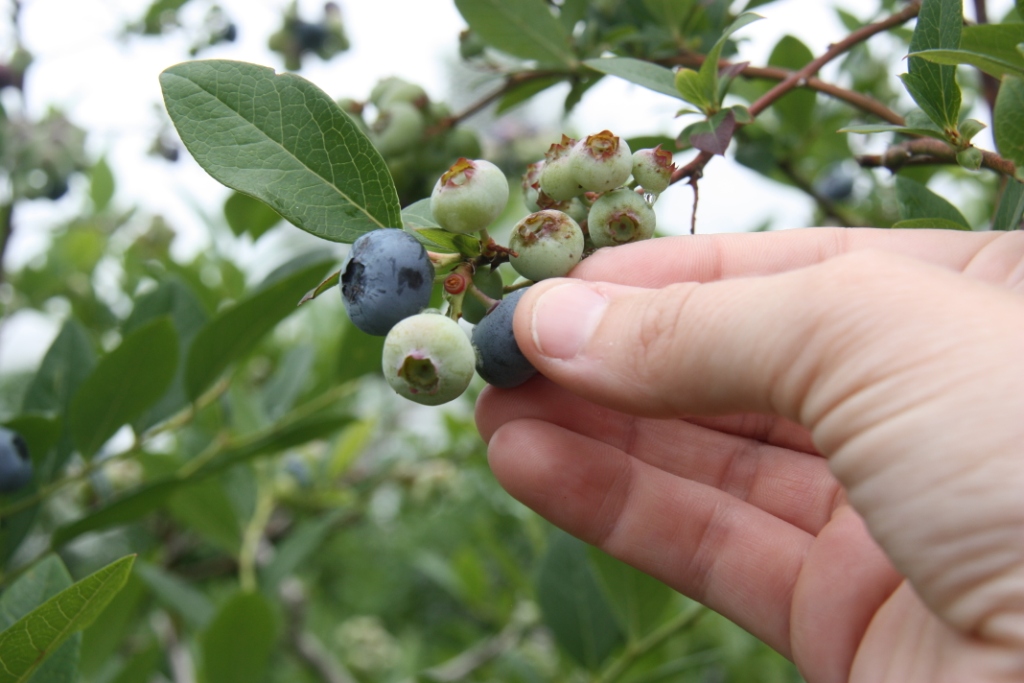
(524, 28)
(126, 382)
(236, 330)
(30, 640)
(280, 139)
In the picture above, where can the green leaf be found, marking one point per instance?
(522, 92)
(796, 108)
(715, 134)
(126, 381)
(176, 299)
(998, 41)
(970, 128)
(235, 331)
(651, 76)
(671, 13)
(418, 215)
(26, 644)
(690, 86)
(1011, 207)
(141, 667)
(101, 185)
(284, 141)
(436, 239)
(330, 281)
(237, 645)
(204, 507)
(928, 224)
(132, 506)
(360, 354)
(638, 599)
(525, 29)
(247, 215)
(35, 586)
(176, 594)
(573, 605)
(65, 366)
(308, 536)
(934, 86)
(709, 69)
(917, 201)
(888, 128)
(288, 381)
(990, 65)
(1008, 120)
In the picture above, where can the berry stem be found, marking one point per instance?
(482, 296)
(508, 289)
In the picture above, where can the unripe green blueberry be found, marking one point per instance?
(548, 243)
(488, 281)
(393, 89)
(469, 196)
(652, 169)
(619, 217)
(531, 185)
(399, 128)
(601, 162)
(428, 359)
(462, 142)
(557, 180)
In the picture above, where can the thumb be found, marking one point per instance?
(759, 344)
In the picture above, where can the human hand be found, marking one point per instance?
(817, 433)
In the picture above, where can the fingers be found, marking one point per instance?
(738, 560)
(789, 344)
(795, 487)
(995, 257)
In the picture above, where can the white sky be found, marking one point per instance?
(109, 86)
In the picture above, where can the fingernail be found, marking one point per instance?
(565, 318)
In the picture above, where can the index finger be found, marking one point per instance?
(990, 256)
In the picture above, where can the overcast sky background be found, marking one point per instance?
(108, 84)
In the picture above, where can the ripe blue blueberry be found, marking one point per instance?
(428, 359)
(498, 358)
(15, 463)
(386, 277)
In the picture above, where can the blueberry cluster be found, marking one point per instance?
(584, 195)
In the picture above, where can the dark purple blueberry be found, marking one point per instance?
(387, 277)
(498, 358)
(15, 463)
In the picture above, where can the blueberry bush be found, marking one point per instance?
(209, 477)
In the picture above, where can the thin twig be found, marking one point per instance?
(929, 151)
(680, 623)
(861, 101)
(307, 647)
(799, 78)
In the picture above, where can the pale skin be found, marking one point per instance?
(817, 433)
